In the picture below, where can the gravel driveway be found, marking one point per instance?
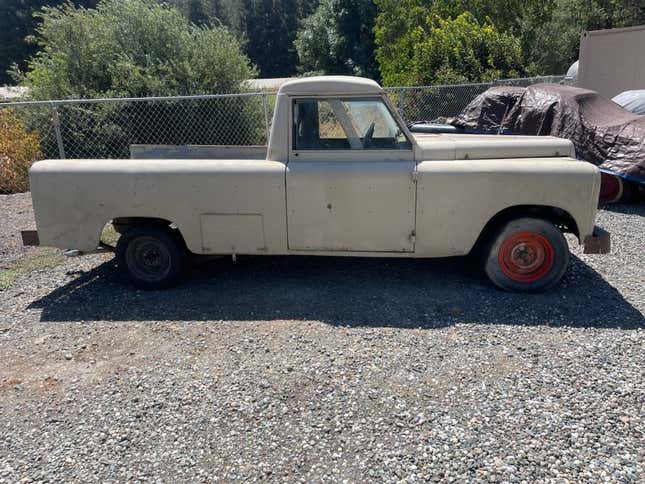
(323, 369)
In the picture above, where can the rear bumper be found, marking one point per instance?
(598, 243)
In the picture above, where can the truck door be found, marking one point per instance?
(349, 178)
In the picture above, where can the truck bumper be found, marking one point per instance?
(599, 242)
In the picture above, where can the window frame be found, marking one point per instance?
(376, 154)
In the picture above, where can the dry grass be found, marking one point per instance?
(44, 259)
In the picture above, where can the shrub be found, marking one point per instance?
(137, 48)
(419, 47)
(19, 148)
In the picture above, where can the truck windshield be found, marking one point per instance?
(344, 124)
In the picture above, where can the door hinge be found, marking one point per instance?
(413, 237)
(414, 175)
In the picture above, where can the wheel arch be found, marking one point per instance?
(121, 224)
(561, 218)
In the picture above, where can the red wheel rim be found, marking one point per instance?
(526, 256)
(610, 188)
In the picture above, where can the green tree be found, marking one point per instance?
(131, 48)
(197, 12)
(427, 49)
(210, 12)
(269, 28)
(140, 48)
(338, 38)
(17, 24)
(555, 41)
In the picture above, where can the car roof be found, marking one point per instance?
(331, 85)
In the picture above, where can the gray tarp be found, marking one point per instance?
(603, 133)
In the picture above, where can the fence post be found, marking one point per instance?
(266, 116)
(59, 136)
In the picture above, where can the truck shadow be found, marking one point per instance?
(342, 291)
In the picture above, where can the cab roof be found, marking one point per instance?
(331, 85)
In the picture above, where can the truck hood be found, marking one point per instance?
(482, 147)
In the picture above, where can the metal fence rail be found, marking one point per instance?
(105, 128)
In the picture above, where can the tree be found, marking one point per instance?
(269, 28)
(549, 30)
(338, 38)
(131, 48)
(139, 48)
(17, 24)
(197, 12)
(556, 39)
(211, 13)
(427, 49)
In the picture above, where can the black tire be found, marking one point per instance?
(526, 255)
(152, 257)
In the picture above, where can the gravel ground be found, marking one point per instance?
(323, 369)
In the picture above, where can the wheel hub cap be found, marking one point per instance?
(526, 256)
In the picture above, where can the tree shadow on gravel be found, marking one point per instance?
(404, 293)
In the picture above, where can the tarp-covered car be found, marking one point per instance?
(603, 133)
(632, 101)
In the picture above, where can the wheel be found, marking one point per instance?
(152, 257)
(527, 255)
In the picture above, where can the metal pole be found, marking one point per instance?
(59, 136)
(266, 117)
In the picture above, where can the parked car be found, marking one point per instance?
(632, 101)
(342, 176)
(602, 132)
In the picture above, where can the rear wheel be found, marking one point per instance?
(152, 257)
(527, 255)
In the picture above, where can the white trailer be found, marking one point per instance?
(612, 61)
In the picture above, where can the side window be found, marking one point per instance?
(346, 124)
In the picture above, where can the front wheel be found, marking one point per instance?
(152, 257)
(527, 255)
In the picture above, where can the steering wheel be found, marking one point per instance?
(369, 134)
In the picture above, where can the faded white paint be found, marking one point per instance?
(431, 200)
(612, 61)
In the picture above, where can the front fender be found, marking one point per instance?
(456, 199)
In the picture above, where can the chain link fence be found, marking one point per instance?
(426, 103)
(106, 128)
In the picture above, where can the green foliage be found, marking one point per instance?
(424, 48)
(17, 24)
(282, 37)
(555, 40)
(269, 27)
(138, 48)
(338, 38)
(210, 12)
(131, 48)
(548, 32)
(266, 28)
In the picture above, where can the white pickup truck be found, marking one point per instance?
(342, 176)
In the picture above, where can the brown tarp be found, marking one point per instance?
(603, 133)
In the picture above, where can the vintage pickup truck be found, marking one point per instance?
(341, 176)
